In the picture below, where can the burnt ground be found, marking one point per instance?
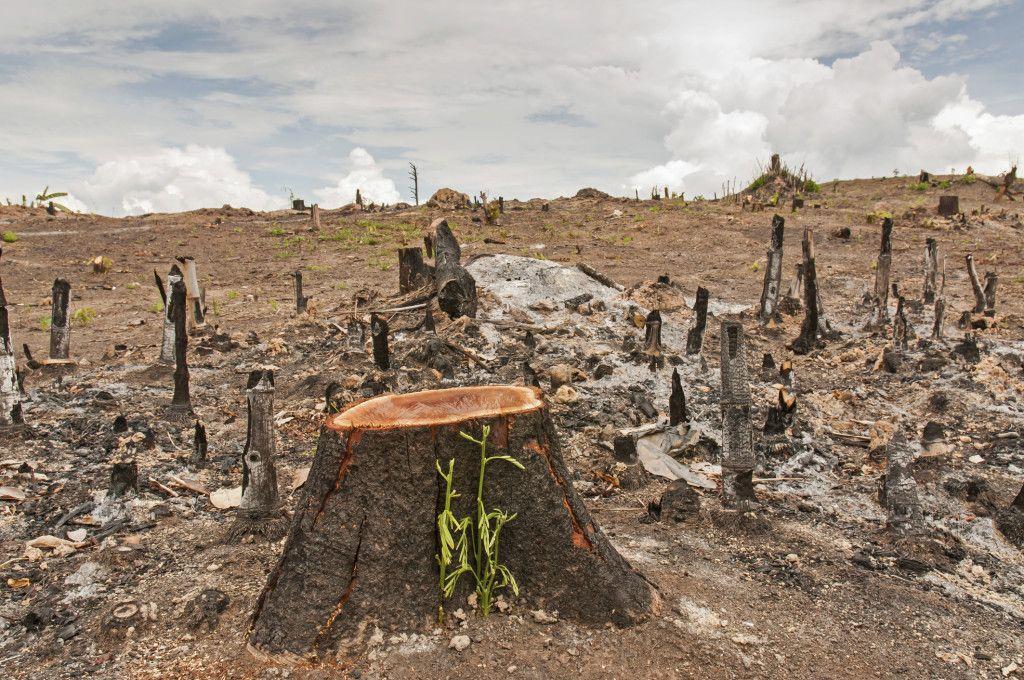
(810, 585)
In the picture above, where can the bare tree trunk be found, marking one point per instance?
(991, 280)
(301, 301)
(940, 318)
(883, 267)
(695, 336)
(738, 458)
(195, 293)
(167, 345)
(314, 215)
(769, 309)
(900, 328)
(379, 333)
(931, 269)
(456, 288)
(260, 509)
(412, 272)
(808, 338)
(979, 293)
(60, 322)
(10, 394)
(181, 399)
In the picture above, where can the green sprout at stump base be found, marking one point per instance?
(481, 533)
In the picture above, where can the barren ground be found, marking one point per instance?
(810, 586)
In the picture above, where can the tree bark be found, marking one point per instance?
(979, 292)
(737, 434)
(260, 497)
(379, 333)
(456, 288)
(652, 338)
(181, 400)
(314, 216)
(940, 318)
(677, 414)
(991, 280)
(949, 205)
(10, 393)
(931, 269)
(695, 336)
(361, 552)
(769, 309)
(200, 445)
(899, 490)
(808, 338)
(412, 272)
(60, 321)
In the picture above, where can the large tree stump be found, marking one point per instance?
(167, 343)
(360, 554)
(260, 509)
(769, 309)
(60, 321)
(456, 287)
(883, 267)
(10, 394)
(181, 402)
(811, 327)
(949, 205)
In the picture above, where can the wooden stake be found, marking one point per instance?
(301, 301)
(931, 269)
(677, 402)
(60, 322)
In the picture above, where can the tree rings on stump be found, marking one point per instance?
(360, 554)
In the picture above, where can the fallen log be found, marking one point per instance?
(362, 553)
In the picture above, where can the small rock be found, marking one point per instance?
(566, 395)
(541, 616)
(460, 643)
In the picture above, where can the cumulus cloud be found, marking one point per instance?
(172, 180)
(861, 116)
(364, 175)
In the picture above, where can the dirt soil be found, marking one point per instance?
(812, 584)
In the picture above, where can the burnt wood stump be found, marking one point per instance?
(456, 287)
(60, 322)
(949, 205)
(413, 273)
(10, 393)
(361, 551)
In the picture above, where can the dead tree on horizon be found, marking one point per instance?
(414, 175)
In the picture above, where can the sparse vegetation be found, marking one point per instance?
(920, 186)
(9, 237)
(83, 316)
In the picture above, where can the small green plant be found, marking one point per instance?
(44, 323)
(480, 534)
(276, 231)
(157, 307)
(812, 187)
(9, 237)
(920, 186)
(969, 179)
(132, 285)
(232, 294)
(944, 184)
(758, 183)
(45, 197)
(83, 316)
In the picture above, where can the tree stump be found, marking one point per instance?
(769, 308)
(301, 301)
(60, 322)
(949, 205)
(167, 343)
(695, 336)
(931, 270)
(361, 552)
(10, 394)
(810, 328)
(979, 292)
(412, 272)
(883, 267)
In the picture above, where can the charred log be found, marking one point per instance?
(456, 288)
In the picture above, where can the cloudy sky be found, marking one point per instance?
(175, 104)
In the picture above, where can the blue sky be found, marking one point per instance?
(169, 105)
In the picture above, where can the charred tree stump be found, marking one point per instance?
(260, 509)
(781, 415)
(738, 458)
(931, 269)
(379, 333)
(940, 318)
(167, 344)
(652, 339)
(900, 327)
(356, 335)
(991, 281)
(883, 267)
(60, 322)
(695, 336)
(677, 414)
(949, 205)
(809, 329)
(361, 552)
(412, 272)
(530, 378)
(10, 391)
(195, 294)
(124, 477)
(456, 288)
(769, 309)
(428, 319)
(899, 489)
(181, 401)
(301, 301)
(979, 292)
(200, 445)
(314, 216)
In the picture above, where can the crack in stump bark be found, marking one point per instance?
(326, 628)
(343, 466)
(579, 535)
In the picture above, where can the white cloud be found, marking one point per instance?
(364, 175)
(172, 180)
